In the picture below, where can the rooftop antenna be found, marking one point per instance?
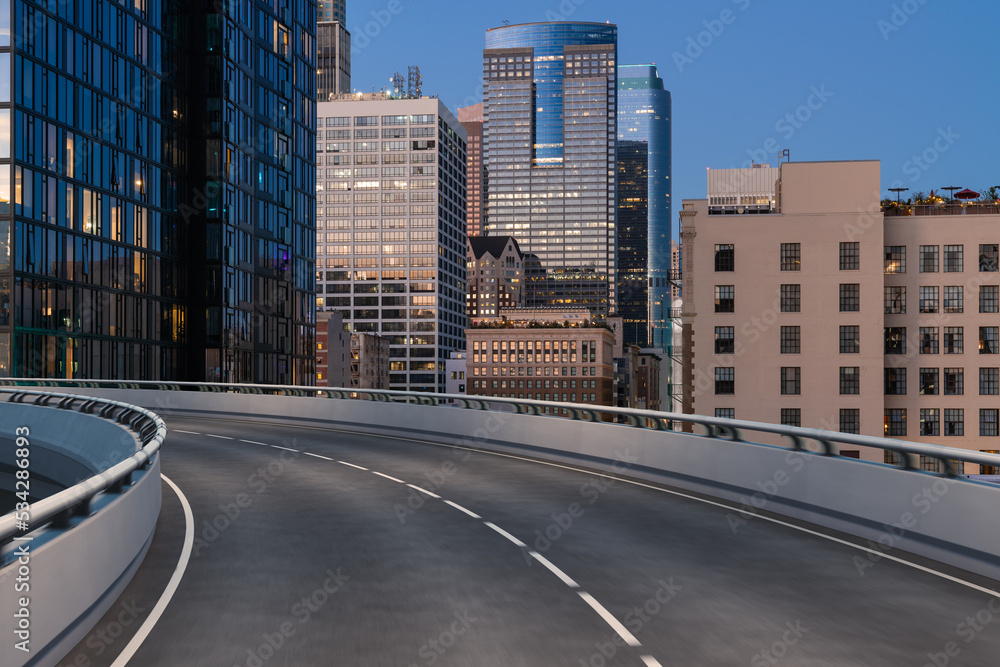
(506, 22)
(398, 81)
(414, 82)
(785, 155)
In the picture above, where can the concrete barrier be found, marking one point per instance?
(946, 519)
(71, 577)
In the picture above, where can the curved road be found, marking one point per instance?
(311, 549)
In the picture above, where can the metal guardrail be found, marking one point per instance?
(713, 427)
(58, 508)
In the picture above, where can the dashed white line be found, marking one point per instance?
(254, 442)
(325, 458)
(505, 534)
(177, 430)
(423, 490)
(462, 509)
(352, 465)
(381, 474)
(287, 449)
(553, 569)
(650, 661)
(609, 619)
(220, 437)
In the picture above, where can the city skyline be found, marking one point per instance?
(740, 97)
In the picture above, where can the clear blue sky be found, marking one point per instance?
(899, 79)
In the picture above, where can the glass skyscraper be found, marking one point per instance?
(633, 254)
(157, 166)
(549, 128)
(644, 116)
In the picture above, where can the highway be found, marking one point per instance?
(312, 548)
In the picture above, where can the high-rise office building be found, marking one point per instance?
(549, 129)
(391, 240)
(644, 116)
(633, 255)
(156, 191)
(331, 10)
(333, 59)
(495, 276)
(471, 119)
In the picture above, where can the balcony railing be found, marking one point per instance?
(955, 208)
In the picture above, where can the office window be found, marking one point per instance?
(791, 298)
(929, 299)
(725, 380)
(850, 342)
(954, 422)
(850, 380)
(724, 340)
(928, 340)
(725, 301)
(791, 416)
(954, 381)
(895, 421)
(988, 427)
(791, 380)
(928, 259)
(790, 341)
(988, 300)
(930, 421)
(895, 381)
(989, 340)
(791, 256)
(954, 301)
(989, 381)
(895, 340)
(988, 257)
(895, 300)
(850, 255)
(725, 257)
(953, 258)
(850, 297)
(850, 420)
(929, 381)
(954, 340)
(895, 259)
(725, 413)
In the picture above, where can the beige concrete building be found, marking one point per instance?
(804, 304)
(549, 362)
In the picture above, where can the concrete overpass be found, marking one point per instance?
(317, 529)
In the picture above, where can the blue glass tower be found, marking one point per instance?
(644, 116)
(549, 127)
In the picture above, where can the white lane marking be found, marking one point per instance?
(325, 458)
(553, 569)
(505, 534)
(286, 449)
(254, 442)
(650, 661)
(462, 509)
(380, 474)
(432, 495)
(732, 508)
(177, 430)
(352, 465)
(220, 437)
(175, 579)
(609, 619)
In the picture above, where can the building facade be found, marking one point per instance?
(369, 361)
(495, 271)
(549, 129)
(644, 115)
(816, 309)
(333, 59)
(391, 242)
(147, 231)
(546, 363)
(333, 351)
(633, 253)
(457, 382)
(471, 119)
